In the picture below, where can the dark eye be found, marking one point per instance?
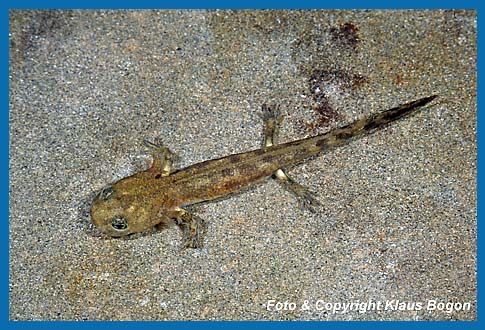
(119, 223)
(106, 193)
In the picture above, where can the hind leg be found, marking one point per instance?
(272, 118)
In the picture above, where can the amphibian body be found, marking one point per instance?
(157, 196)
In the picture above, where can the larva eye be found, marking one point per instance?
(119, 223)
(106, 193)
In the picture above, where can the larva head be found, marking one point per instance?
(119, 212)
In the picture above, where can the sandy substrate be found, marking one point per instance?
(397, 226)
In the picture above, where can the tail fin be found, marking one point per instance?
(382, 118)
(296, 151)
(366, 125)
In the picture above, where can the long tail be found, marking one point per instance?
(296, 151)
(241, 170)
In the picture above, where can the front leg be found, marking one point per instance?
(192, 227)
(162, 158)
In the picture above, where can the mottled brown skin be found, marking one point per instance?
(155, 197)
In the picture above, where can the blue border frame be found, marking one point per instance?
(294, 4)
(6, 5)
